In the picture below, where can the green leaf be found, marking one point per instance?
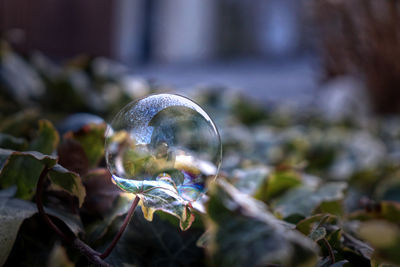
(161, 195)
(47, 138)
(334, 207)
(4, 155)
(334, 239)
(64, 180)
(91, 138)
(155, 243)
(277, 183)
(307, 225)
(386, 210)
(244, 233)
(376, 262)
(97, 229)
(101, 193)
(204, 240)
(58, 257)
(384, 237)
(39, 238)
(73, 221)
(389, 189)
(248, 114)
(12, 213)
(304, 200)
(353, 249)
(72, 156)
(23, 169)
(340, 263)
(21, 123)
(317, 234)
(10, 142)
(249, 180)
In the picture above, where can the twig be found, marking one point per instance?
(92, 255)
(330, 250)
(39, 204)
(122, 229)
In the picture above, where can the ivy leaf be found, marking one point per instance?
(23, 169)
(73, 221)
(317, 234)
(65, 180)
(72, 156)
(47, 138)
(385, 210)
(204, 240)
(304, 200)
(334, 239)
(277, 183)
(179, 210)
(238, 222)
(58, 257)
(249, 180)
(307, 225)
(20, 123)
(155, 243)
(101, 192)
(6, 154)
(326, 262)
(10, 142)
(96, 230)
(39, 238)
(384, 237)
(389, 189)
(91, 138)
(12, 213)
(161, 195)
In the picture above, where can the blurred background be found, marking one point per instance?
(305, 94)
(263, 48)
(271, 50)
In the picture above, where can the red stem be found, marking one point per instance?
(39, 205)
(122, 229)
(93, 256)
(330, 250)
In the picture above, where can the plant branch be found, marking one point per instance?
(92, 255)
(330, 250)
(39, 205)
(122, 229)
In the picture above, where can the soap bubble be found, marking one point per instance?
(163, 141)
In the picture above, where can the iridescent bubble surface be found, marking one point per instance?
(163, 141)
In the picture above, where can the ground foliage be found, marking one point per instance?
(296, 189)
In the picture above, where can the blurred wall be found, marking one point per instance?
(279, 27)
(137, 31)
(60, 28)
(184, 30)
(129, 30)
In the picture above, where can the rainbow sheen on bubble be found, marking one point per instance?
(164, 142)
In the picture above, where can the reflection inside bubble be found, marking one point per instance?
(163, 141)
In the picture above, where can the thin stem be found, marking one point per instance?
(39, 204)
(122, 229)
(330, 250)
(92, 255)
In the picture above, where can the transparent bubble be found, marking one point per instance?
(163, 141)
